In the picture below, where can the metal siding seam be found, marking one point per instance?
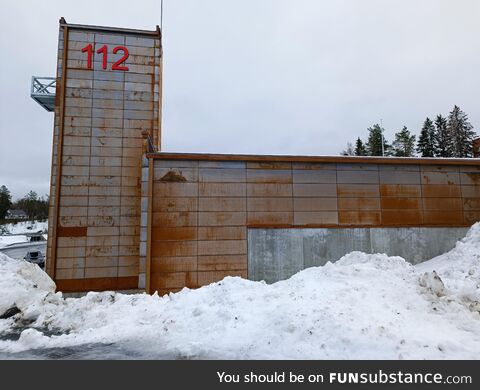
(60, 151)
(149, 226)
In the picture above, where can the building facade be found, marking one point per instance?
(125, 215)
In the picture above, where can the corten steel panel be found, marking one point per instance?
(96, 170)
(234, 194)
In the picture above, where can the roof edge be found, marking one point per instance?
(132, 31)
(315, 159)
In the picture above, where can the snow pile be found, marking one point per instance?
(459, 270)
(23, 285)
(362, 307)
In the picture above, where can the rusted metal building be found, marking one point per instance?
(124, 215)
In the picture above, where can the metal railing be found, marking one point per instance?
(43, 91)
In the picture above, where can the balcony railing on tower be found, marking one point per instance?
(43, 91)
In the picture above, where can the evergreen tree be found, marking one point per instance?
(5, 201)
(374, 143)
(404, 144)
(426, 145)
(443, 140)
(360, 149)
(461, 133)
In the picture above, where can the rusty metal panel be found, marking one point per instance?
(270, 204)
(269, 176)
(393, 203)
(169, 280)
(359, 218)
(471, 203)
(222, 233)
(174, 264)
(357, 177)
(174, 248)
(442, 204)
(402, 217)
(222, 189)
(174, 234)
(315, 204)
(222, 218)
(399, 177)
(358, 190)
(440, 178)
(222, 204)
(180, 219)
(314, 190)
(470, 178)
(270, 218)
(441, 191)
(400, 190)
(314, 176)
(221, 175)
(447, 218)
(358, 204)
(222, 247)
(222, 263)
(315, 218)
(269, 189)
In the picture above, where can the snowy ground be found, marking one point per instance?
(14, 233)
(26, 227)
(361, 307)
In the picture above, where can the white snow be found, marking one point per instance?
(26, 227)
(9, 240)
(361, 307)
(15, 233)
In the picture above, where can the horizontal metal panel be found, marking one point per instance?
(269, 218)
(315, 190)
(358, 190)
(222, 233)
(315, 218)
(315, 204)
(359, 217)
(315, 176)
(222, 204)
(222, 262)
(221, 218)
(267, 190)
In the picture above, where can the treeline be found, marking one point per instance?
(450, 136)
(34, 206)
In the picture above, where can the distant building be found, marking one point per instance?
(16, 214)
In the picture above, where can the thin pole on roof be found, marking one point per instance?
(161, 15)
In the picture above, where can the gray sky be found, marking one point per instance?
(256, 76)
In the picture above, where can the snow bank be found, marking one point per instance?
(23, 285)
(362, 307)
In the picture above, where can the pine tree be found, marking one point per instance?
(5, 201)
(360, 149)
(374, 143)
(442, 140)
(426, 145)
(461, 133)
(404, 144)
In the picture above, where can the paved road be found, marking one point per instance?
(18, 251)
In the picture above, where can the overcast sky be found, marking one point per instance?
(255, 76)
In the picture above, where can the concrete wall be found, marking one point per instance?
(277, 254)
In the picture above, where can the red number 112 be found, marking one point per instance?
(104, 50)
